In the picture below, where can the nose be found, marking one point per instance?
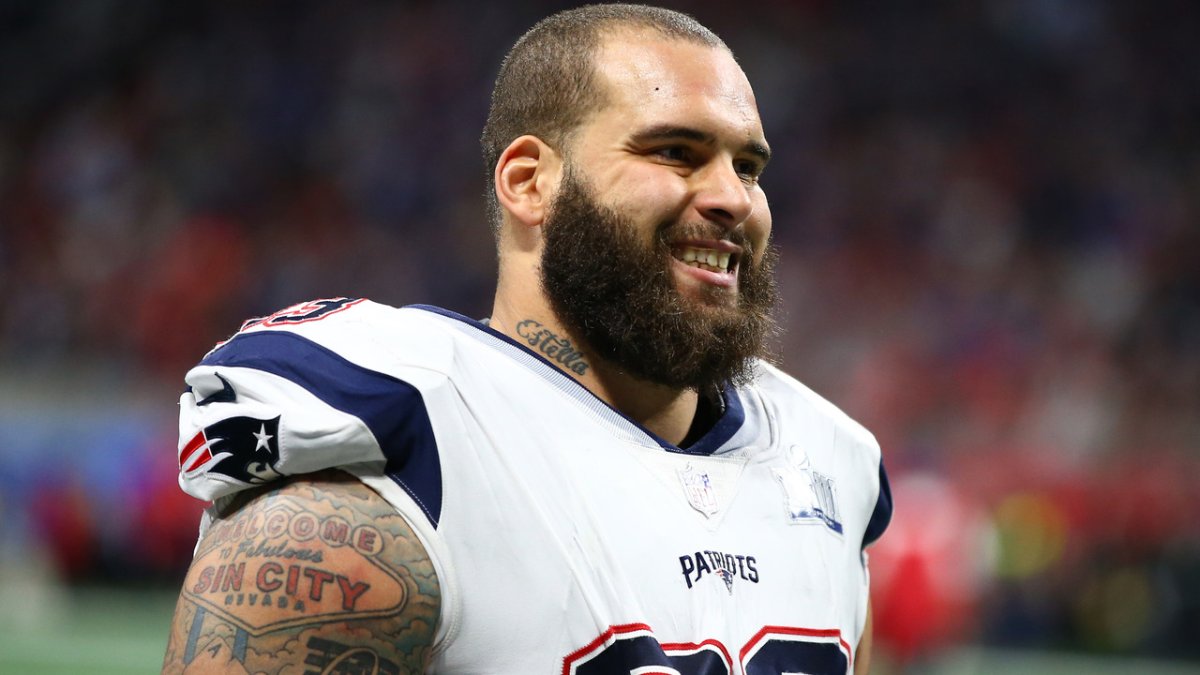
(722, 196)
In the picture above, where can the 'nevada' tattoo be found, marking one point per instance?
(320, 574)
(291, 581)
(549, 343)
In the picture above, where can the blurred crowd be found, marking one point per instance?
(988, 214)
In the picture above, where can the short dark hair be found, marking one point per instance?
(547, 81)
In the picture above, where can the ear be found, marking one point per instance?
(527, 175)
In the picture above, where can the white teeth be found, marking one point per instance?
(697, 257)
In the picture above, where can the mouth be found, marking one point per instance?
(707, 259)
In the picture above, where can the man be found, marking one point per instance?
(603, 478)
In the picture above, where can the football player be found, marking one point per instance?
(605, 476)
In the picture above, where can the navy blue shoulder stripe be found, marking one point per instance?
(391, 408)
(882, 515)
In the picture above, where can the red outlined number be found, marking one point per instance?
(633, 649)
(304, 312)
(779, 649)
(774, 650)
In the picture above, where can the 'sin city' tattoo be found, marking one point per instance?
(321, 572)
(284, 559)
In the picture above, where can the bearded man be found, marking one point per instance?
(605, 476)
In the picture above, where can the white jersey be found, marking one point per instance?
(566, 538)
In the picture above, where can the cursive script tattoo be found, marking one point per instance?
(549, 343)
(334, 657)
(320, 565)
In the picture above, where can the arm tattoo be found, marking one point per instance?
(320, 573)
(554, 347)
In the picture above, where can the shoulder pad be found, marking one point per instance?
(287, 395)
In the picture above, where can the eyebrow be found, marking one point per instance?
(666, 132)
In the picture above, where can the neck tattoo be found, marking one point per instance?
(558, 349)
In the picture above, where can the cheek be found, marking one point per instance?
(653, 194)
(758, 226)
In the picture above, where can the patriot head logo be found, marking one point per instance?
(245, 449)
(726, 576)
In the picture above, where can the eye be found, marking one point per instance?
(679, 154)
(749, 170)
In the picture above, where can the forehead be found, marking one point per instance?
(653, 80)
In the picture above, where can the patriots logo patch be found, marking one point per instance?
(245, 449)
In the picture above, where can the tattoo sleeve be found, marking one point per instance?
(320, 575)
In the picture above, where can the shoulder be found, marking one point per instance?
(322, 384)
(784, 394)
(357, 330)
(832, 440)
(301, 573)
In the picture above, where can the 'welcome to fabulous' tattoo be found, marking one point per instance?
(549, 343)
(277, 581)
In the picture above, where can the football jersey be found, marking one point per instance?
(566, 538)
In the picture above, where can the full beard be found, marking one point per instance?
(618, 295)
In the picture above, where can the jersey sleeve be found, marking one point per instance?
(881, 516)
(292, 397)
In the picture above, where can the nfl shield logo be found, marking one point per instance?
(699, 490)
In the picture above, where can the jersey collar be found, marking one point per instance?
(710, 443)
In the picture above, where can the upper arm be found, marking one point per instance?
(320, 572)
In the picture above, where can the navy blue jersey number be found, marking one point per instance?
(779, 649)
(774, 650)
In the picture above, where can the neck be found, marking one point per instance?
(665, 411)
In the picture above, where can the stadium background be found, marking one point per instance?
(989, 213)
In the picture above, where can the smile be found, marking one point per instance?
(706, 258)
